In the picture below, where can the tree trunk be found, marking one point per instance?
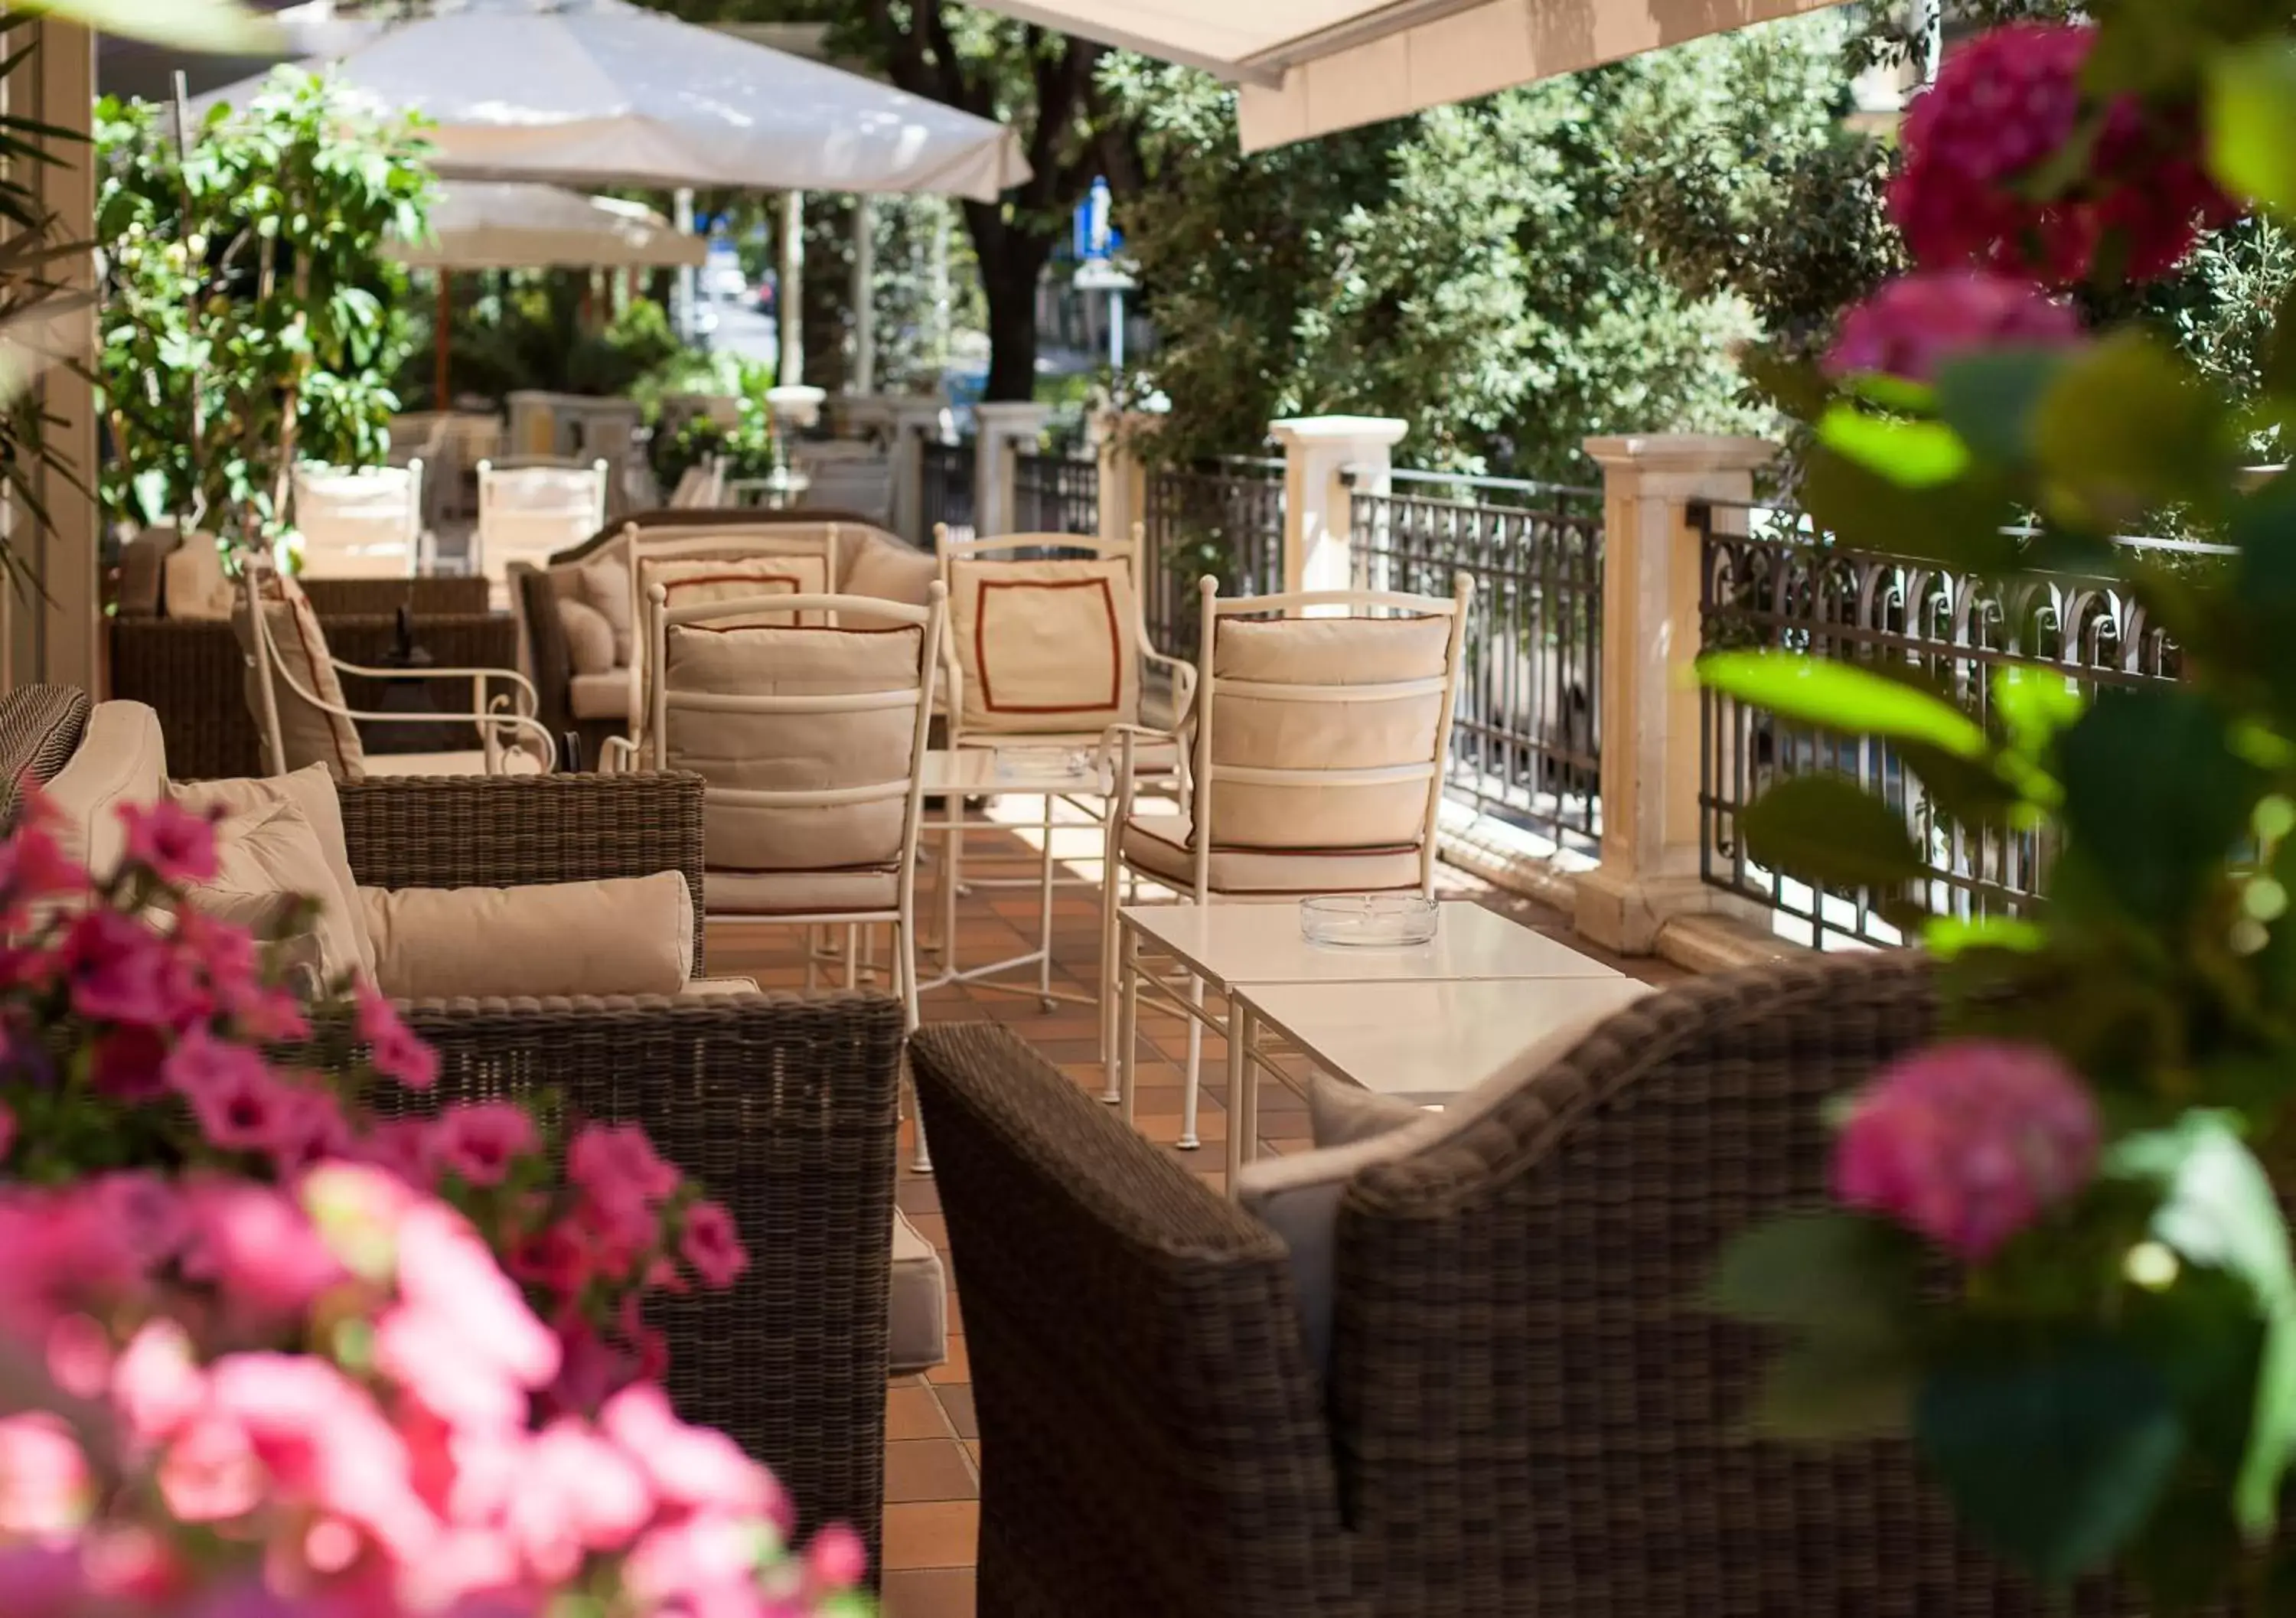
(1011, 263)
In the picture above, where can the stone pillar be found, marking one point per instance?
(906, 423)
(863, 377)
(789, 290)
(1123, 475)
(1004, 427)
(1650, 704)
(1318, 510)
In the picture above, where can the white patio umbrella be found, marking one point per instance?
(478, 225)
(604, 93)
(1308, 67)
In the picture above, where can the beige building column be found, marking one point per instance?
(1649, 873)
(1003, 429)
(1318, 507)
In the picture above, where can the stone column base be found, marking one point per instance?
(1625, 914)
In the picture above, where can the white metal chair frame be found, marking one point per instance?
(661, 618)
(417, 531)
(640, 546)
(1121, 977)
(490, 471)
(952, 831)
(494, 716)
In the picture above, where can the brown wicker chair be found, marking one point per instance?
(1527, 1412)
(191, 671)
(783, 1107)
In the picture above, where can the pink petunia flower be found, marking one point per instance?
(394, 1049)
(144, 1212)
(836, 1560)
(260, 1248)
(462, 1340)
(116, 968)
(1969, 1142)
(129, 1063)
(481, 1140)
(1913, 325)
(697, 1467)
(239, 1105)
(156, 1385)
(712, 1245)
(578, 1493)
(401, 1148)
(617, 1163)
(45, 1489)
(175, 845)
(311, 1130)
(34, 866)
(209, 1473)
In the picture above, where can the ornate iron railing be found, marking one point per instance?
(1053, 494)
(1225, 518)
(947, 476)
(1770, 579)
(1525, 744)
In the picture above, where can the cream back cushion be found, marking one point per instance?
(889, 570)
(795, 752)
(121, 759)
(630, 935)
(309, 733)
(1044, 646)
(268, 856)
(1270, 733)
(358, 524)
(606, 589)
(589, 637)
(696, 580)
(311, 791)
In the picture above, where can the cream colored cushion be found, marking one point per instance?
(717, 989)
(1045, 645)
(606, 587)
(266, 856)
(1273, 733)
(1159, 845)
(600, 696)
(917, 1303)
(311, 790)
(311, 733)
(1340, 1114)
(121, 759)
(516, 760)
(626, 935)
(694, 581)
(752, 752)
(196, 587)
(1299, 1197)
(891, 570)
(803, 892)
(589, 637)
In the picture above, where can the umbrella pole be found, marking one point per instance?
(863, 379)
(442, 375)
(790, 294)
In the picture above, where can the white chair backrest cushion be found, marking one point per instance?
(1044, 646)
(122, 758)
(1328, 732)
(692, 582)
(754, 751)
(530, 514)
(364, 525)
(300, 663)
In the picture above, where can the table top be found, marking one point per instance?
(1430, 1040)
(1245, 942)
(1019, 769)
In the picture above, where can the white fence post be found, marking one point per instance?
(1004, 428)
(1115, 436)
(1318, 510)
(1650, 705)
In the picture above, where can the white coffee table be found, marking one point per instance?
(1424, 1042)
(1224, 945)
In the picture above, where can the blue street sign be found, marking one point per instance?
(1096, 237)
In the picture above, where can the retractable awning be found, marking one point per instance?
(1308, 67)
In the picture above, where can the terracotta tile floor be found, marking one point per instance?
(932, 1470)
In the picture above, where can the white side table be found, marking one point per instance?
(1223, 945)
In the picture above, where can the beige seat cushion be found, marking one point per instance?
(515, 761)
(1340, 1114)
(589, 637)
(606, 587)
(693, 582)
(1158, 844)
(629, 935)
(121, 759)
(309, 733)
(1045, 645)
(917, 1303)
(600, 696)
(1299, 1197)
(312, 791)
(1270, 732)
(737, 751)
(268, 856)
(801, 893)
(717, 989)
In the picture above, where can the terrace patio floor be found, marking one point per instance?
(932, 1450)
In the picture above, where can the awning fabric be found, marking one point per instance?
(604, 93)
(497, 224)
(1308, 67)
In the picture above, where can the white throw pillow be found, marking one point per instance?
(695, 581)
(631, 935)
(268, 856)
(1046, 646)
(589, 637)
(311, 791)
(606, 587)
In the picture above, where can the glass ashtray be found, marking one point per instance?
(1369, 921)
(1041, 764)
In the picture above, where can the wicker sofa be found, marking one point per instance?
(1527, 1410)
(191, 671)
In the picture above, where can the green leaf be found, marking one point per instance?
(1988, 397)
(1836, 1390)
(2124, 428)
(2272, 1438)
(1959, 524)
(1830, 831)
(1968, 791)
(2034, 704)
(1912, 454)
(2155, 797)
(219, 26)
(1843, 697)
(2054, 1461)
(1834, 1274)
(1950, 937)
(2251, 122)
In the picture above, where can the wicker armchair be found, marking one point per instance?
(193, 672)
(1527, 1410)
(783, 1107)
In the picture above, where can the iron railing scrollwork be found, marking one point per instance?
(1053, 493)
(1225, 518)
(947, 478)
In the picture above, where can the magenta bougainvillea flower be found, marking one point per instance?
(1913, 325)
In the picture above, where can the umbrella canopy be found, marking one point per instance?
(604, 93)
(479, 224)
(1308, 67)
